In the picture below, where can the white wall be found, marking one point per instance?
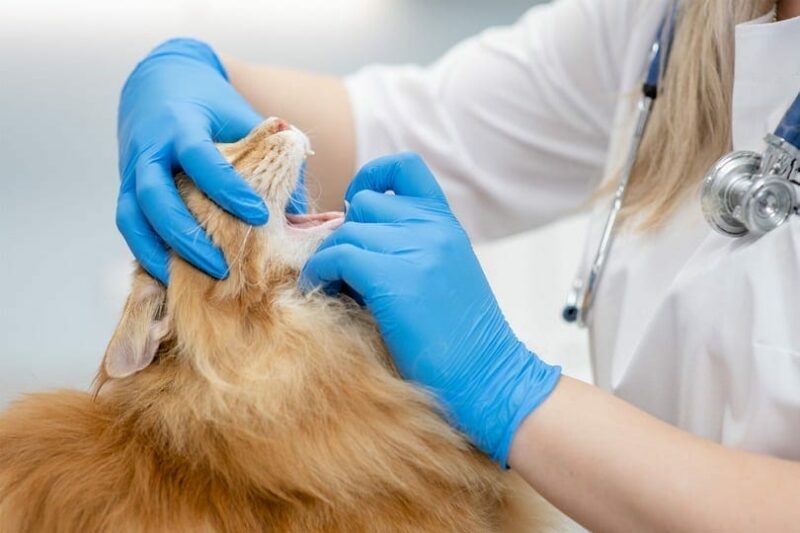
(63, 267)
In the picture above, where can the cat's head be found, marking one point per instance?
(270, 160)
(200, 314)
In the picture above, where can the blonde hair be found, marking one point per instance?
(690, 126)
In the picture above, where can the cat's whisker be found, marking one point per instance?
(237, 260)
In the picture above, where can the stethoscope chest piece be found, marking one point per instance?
(730, 174)
(744, 194)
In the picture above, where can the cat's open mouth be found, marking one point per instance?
(296, 147)
(329, 220)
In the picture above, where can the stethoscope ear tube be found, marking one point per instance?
(581, 296)
(751, 193)
(572, 309)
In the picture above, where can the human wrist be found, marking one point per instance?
(516, 385)
(536, 381)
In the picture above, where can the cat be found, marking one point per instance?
(248, 405)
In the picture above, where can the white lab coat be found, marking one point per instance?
(521, 123)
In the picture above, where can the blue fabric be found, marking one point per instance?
(789, 128)
(406, 256)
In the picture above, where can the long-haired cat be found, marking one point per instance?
(246, 405)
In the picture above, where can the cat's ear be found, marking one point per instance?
(141, 329)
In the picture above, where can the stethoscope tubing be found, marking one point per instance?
(581, 297)
(581, 301)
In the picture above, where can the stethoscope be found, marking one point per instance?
(744, 192)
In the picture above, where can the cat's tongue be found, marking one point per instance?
(329, 220)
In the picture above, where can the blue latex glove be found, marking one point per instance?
(175, 104)
(411, 262)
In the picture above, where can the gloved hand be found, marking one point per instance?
(411, 262)
(175, 104)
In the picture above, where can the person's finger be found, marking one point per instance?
(404, 174)
(146, 245)
(373, 237)
(216, 177)
(343, 263)
(165, 211)
(298, 201)
(376, 207)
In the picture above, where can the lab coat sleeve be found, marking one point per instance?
(515, 122)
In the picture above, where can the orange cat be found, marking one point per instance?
(245, 405)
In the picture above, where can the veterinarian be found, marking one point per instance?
(695, 420)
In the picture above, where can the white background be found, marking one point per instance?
(63, 266)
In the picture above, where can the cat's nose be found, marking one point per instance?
(275, 124)
(281, 125)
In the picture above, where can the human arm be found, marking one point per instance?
(605, 463)
(612, 467)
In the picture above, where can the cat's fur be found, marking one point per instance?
(245, 405)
